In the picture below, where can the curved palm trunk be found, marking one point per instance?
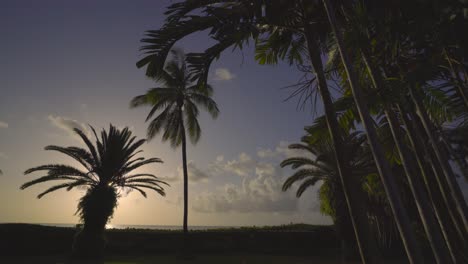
(447, 171)
(351, 190)
(399, 212)
(428, 220)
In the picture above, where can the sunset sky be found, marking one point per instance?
(66, 64)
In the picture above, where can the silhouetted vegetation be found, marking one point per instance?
(401, 68)
(177, 103)
(387, 150)
(108, 165)
(36, 240)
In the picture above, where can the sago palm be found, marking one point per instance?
(107, 169)
(177, 101)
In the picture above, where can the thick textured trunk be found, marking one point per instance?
(399, 212)
(443, 160)
(428, 220)
(436, 196)
(351, 188)
(342, 222)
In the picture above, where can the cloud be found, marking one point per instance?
(259, 193)
(3, 124)
(195, 174)
(223, 74)
(67, 124)
(281, 151)
(259, 190)
(3, 155)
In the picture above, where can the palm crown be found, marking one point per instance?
(178, 101)
(320, 165)
(107, 163)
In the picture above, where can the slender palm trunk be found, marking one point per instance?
(399, 212)
(442, 213)
(428, 220)
(447, 171)
(367, 247)
(439, 176)
(184, 166)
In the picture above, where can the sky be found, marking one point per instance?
(67, 64)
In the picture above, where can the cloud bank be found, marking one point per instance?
(259, 190)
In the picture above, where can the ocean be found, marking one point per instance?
(155, 227)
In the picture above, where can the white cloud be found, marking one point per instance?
(195, 174)
(281, 151)
(259, 191)
(223, 74)
(3, 124)
(67, 124)
(242, 166)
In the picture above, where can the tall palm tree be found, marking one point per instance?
(233, 23)
(177, 101)
(399, 211)
(108, 166)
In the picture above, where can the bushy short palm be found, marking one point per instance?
(108, 166)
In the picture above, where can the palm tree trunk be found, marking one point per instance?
(433, 231)
(447, 171)
(439, 176)
(436, 196)
(184, 165)
(367, 247)
(399, 212)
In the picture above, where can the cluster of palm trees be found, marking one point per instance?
(402, 72)
(109, 162)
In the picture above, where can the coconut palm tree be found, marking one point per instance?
(178, 101)
(107, 169)
(233, 23)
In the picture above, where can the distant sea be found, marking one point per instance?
(155, 227)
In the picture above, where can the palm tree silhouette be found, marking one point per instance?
(318, 164)
(108, 165)
(178, 101)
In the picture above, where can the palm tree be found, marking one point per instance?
(178, 101)
(108, 166)
(318, 164)
(233, 23)
(399, 211)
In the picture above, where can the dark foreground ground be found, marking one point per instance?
(292, 244)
